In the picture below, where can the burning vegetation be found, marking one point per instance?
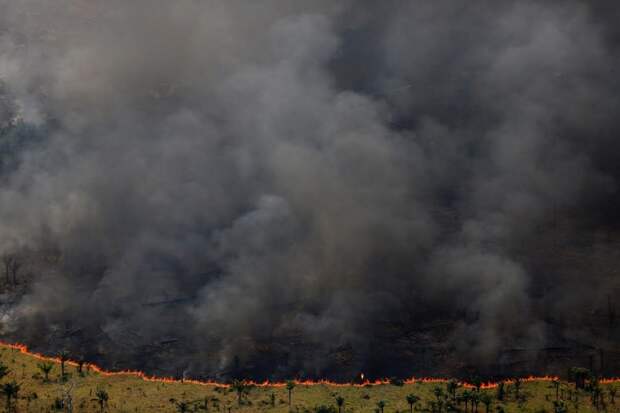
(32, 382)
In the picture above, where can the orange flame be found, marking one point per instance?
(364, 382)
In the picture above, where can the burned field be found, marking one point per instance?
(412, 341)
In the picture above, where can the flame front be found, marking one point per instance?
(364, 382)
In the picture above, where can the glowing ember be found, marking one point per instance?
(364, 382)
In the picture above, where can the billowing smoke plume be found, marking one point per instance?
(288, 187)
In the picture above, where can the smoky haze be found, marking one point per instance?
(281, 188)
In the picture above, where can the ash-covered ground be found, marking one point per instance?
(312, 189)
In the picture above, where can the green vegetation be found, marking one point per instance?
(340, 403)
(290, 385)
(10, 390)
(102, 399)
(46, 368)
(63, 356)
(28, 384)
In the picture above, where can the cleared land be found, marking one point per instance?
(129, 393)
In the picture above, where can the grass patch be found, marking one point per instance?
(127, 393)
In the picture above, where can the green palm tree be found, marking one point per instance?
(579, 375)
(466, 396)
(475, 400)
(486, 399)
(241, 387)
(381, 405)
(10, 391)
(339, 403)
(476, 382)
(452, 386)
(102, 398)
(290, 385)
(63, 356)
(412, 399)
(46, 369)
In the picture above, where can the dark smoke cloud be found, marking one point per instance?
(301, 177)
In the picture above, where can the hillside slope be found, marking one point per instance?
(131, 392)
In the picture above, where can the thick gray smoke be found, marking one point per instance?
(281, 188)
